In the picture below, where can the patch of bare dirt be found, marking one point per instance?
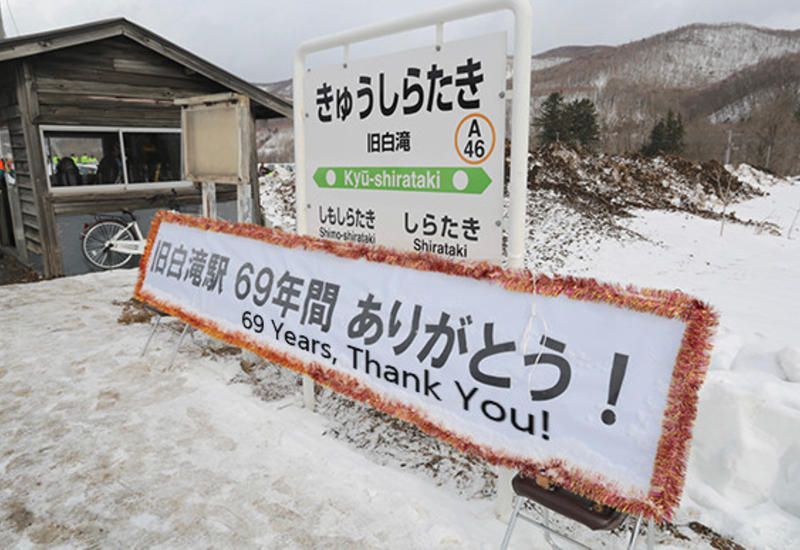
(12, 271)
(134, 311)
(20, 517)
(612, 185)
(220, 349)
(714, 539)
(270, 382)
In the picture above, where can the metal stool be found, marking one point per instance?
(575, 507)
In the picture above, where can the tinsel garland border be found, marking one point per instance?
(667, 480)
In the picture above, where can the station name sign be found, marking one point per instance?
(406, 150)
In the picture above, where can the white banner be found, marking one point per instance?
(406, 150)
(594, 384)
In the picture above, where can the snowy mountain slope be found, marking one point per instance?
(739, 95)
(693, 56)
(710, 74)
(557, 56)
(282, 88)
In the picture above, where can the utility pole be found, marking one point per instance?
(728, 149)
(791, 227)
(769, 154)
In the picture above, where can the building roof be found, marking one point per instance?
(34, 44)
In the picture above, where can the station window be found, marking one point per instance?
(111, 156)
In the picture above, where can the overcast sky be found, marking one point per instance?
(255, 39)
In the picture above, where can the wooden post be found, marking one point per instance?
(209, 199)
(244, 204)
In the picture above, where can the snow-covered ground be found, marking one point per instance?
(744, 471)
(100, 447)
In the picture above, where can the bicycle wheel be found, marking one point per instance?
(97, 246)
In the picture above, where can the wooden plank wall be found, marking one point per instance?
(27, 197)
(9, 116)
(9, 107)
(113, 82)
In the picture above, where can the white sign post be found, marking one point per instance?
(520, 115)
(520, 127)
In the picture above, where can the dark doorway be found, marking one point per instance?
(6, 225)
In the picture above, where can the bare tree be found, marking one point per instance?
(772, 121)
(722, 185)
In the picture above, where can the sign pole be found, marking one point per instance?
(244, 204)
(247, 194)
(218, 146)
(209, 199)
(518, 186)
(300, 178)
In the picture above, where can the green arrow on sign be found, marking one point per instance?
(471, 180)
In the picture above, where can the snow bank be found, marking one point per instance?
(744, 471)
(755, 177)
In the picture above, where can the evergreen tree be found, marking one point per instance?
(551, 121)
(674, 130)
(666, 136)
(581, 120)
(657, 139)
(574, 122)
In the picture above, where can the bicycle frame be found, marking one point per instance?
(124, 246)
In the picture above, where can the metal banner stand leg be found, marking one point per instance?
(178, 345)
(503, 491)
(651, 534)
(149, 338)
(518, 501)
(635, 534)
(308, 393)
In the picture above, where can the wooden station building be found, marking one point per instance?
(88, 125)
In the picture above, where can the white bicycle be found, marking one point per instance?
(110, 242)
